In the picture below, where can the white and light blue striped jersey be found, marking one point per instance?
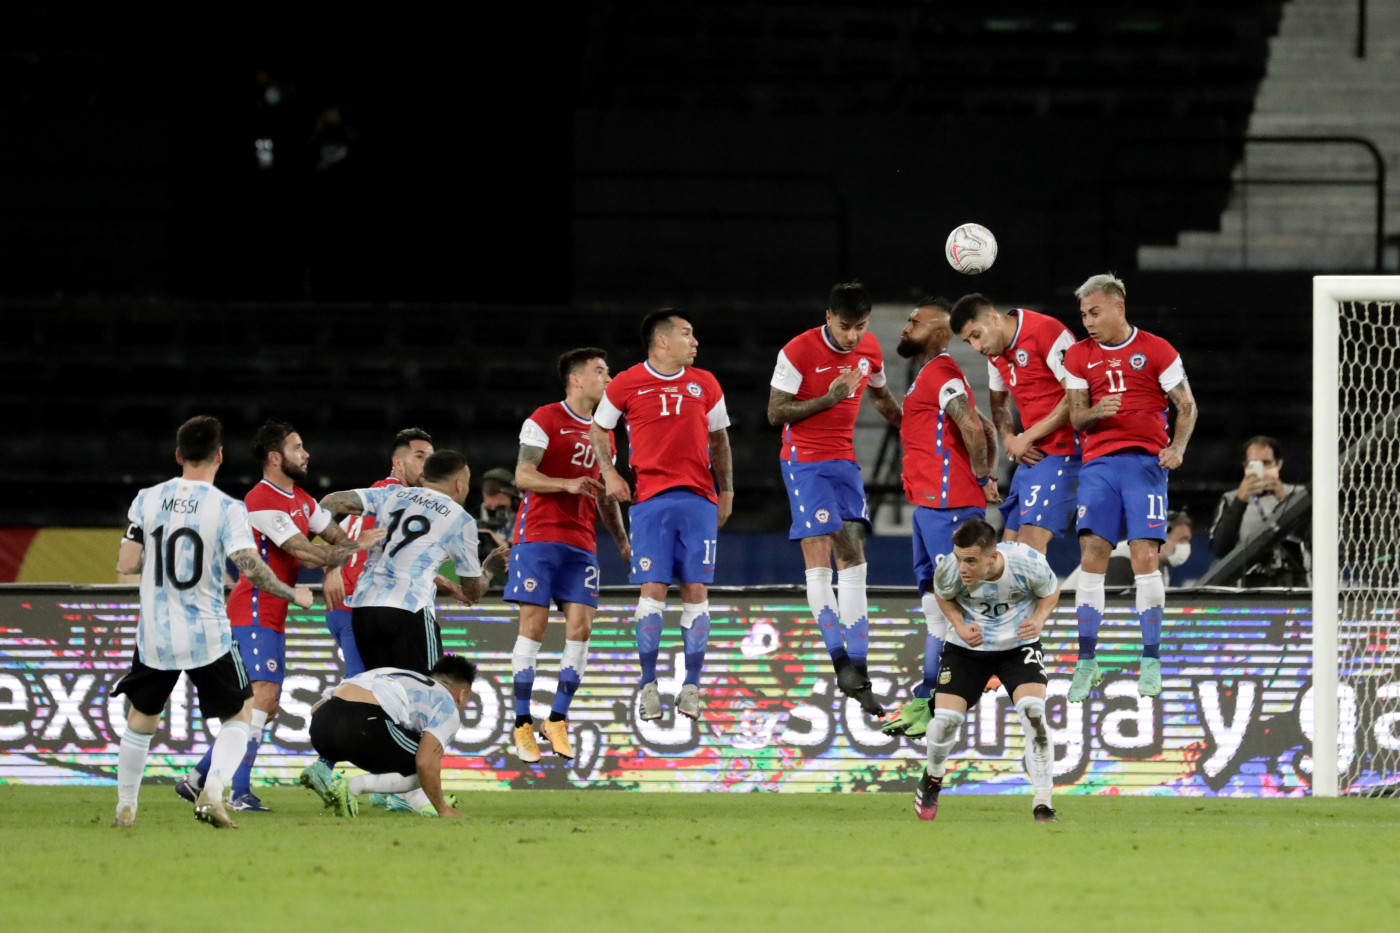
(424, 528)
(413, 701)
(188, 529)
(999, 606)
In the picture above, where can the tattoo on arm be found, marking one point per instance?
(887, 405)
(960, 410)
(784, 408)
(346, 502)
(1185, 403)
(315, 556)
(1001, 413)
(260, 574)
(334, 535)
(602, 450)
(722, 460)
(1079, 409)
(529, 453)
(611, 514)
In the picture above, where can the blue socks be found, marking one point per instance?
(695, 633)
(648, 627)
(1089, 611)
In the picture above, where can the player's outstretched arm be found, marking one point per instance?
(428, 763)
(613, 484)
(1185, 404)
(610, 513)
(887, 405)
(261, 576)
(722, 466)
(1085, 417)
(345, 502)
(1022, 446)
(529, 478)
(318, 556)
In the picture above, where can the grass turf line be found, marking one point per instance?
(713, 862)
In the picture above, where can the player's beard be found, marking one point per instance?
(295, 472)
(908, 349)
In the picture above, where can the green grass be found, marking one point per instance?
(722, 864)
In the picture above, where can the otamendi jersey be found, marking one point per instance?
(806, 366)
(188, 529)
(413, 701)
(275, 515)
(424, 528)
(999, 606)
(352, 525)
(1032, 369)
(1143, 368)
(937, 470)
(560, 517)
(669, 421)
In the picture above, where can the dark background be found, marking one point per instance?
(519, 181)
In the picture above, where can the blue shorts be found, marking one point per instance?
(822, 495)
(338, 622)
(542, 571)
(1043, 494)
(933, 538)
(675, 536)
(264, 652)
(1123, 491)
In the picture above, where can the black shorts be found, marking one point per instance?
(389, 637)
(362, 734)
(222, 687)
(965, 671)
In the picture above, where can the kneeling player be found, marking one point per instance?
(997, 598)
(395, 725)
(554, 558)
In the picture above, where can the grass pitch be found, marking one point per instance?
(718, 863)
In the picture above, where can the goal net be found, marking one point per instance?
(1356, 535)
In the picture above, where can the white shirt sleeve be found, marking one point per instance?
(786, 378)
(878, 378)
(719, 416)
(950, 390)
(463, 552)
(237, 537)
(1173, 376)
(275, 526)
(994, 381)
(318, 520)
(1074, 382)
(532, 435)
(606, 416)
(1055, 359)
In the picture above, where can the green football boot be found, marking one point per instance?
(913, 719)
(1086, 675)
(1150, 677)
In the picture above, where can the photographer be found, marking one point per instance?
(1247, 512)
(500, 500)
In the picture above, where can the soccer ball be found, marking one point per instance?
(971, 249)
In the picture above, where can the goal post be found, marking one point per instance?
(1355, 414)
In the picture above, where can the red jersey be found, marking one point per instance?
(275, 516)
(560, 516)
(669, 420)
(1033, 369)
(805, 369)
(352, 525)
(937, 470)
(1144, 368)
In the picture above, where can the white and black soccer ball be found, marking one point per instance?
(971, 249)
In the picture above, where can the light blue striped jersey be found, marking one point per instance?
(188, 529)
(425, 529)
(412, 700)
(999, 606)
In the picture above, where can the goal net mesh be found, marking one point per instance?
(1368, 634)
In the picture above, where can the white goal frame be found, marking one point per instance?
(1328, 292)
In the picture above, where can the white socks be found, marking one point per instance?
(933, 617)
(850, 595)
(1039, 754)
(131, 764)
(576, 655)
(941, 737)
(229, 748)
(523, 657)
(391, 783)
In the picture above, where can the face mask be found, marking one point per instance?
(1181, 555)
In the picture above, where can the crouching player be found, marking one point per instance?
(395, 725)
(997, 598)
